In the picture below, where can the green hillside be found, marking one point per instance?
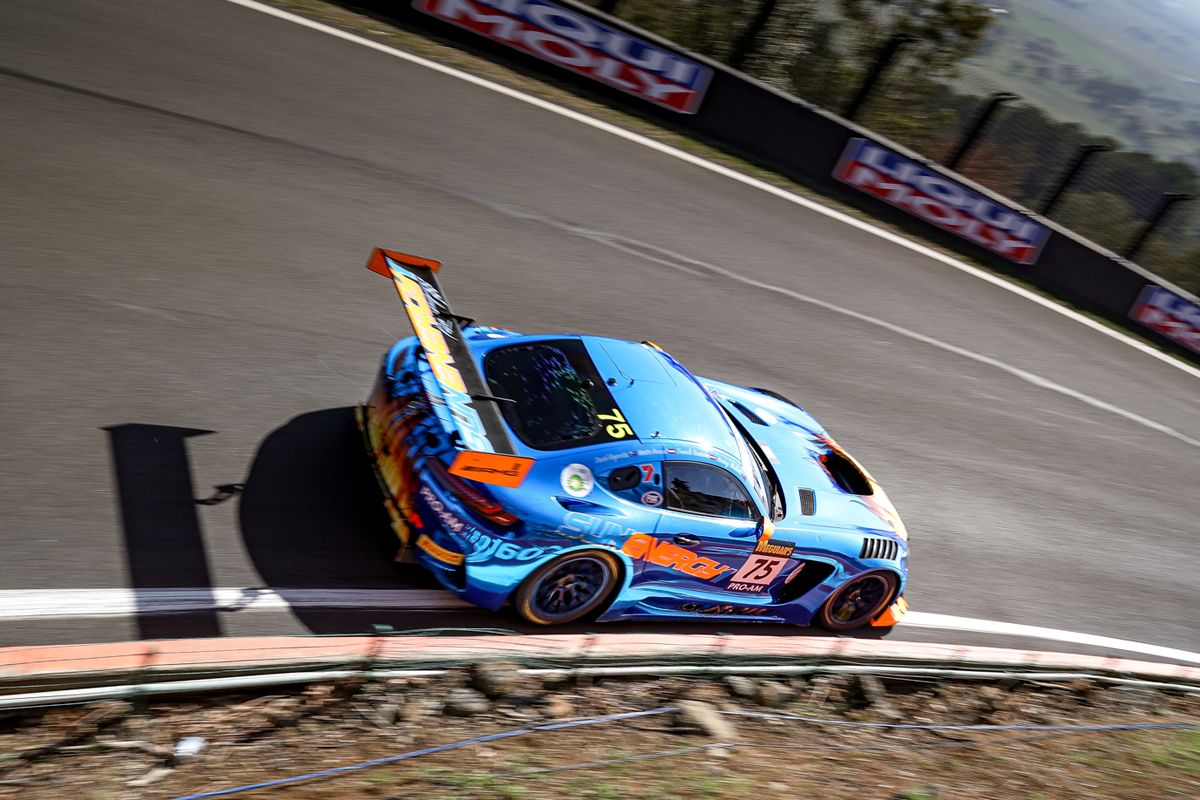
(1124, 68)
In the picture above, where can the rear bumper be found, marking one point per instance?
(397, 517)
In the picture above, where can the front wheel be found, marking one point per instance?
(858, 601)
(567, 588)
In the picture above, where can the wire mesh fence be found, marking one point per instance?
(823, 51)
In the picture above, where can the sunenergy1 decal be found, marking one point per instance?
(441, 362)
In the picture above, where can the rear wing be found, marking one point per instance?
(457, 390)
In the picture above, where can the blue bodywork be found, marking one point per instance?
(834, 522)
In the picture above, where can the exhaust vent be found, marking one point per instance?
(845, 473)
(877, 547)
(808, 502)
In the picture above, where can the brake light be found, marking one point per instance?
(472, 498)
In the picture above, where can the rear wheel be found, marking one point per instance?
(858, 601)
(567, 588)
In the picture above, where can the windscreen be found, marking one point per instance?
(558, 398)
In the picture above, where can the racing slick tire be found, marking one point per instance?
(858, 601)
(568, 588)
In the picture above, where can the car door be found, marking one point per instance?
(705, 538)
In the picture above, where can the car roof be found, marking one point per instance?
(670, 412)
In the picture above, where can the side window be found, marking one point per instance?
(704, 489)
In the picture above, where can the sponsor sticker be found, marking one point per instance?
(652, 498)
(438, 552)
(499, 470)
(576, 480)
(763, 566)
(757, 573)
(491, 548)
(448, 519)
(645, 547)
(583, 45)
(588, 528)
(940, 201)
(1167, 313)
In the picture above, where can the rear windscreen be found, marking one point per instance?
(559, 399)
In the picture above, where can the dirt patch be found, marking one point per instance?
(124, 750)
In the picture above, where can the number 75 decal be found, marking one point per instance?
(759, 570)
(619, 428)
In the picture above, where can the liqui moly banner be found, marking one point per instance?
(940, 201)
(1169, 314)
(582, 44)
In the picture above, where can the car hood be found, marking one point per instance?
(802, 453)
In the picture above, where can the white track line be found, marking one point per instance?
(946, 622)
(28, 604)
(727, 172)
(18, 605)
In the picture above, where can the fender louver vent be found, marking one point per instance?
(808, 502)
(874, 547)
(750, 415)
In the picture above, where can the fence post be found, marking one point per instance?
(886, 54)
(1169, 199)
(972, 136)
(749, 38)
(1085, 154)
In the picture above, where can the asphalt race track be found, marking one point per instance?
(189, 190)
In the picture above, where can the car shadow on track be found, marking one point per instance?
(164, 546)
(311, 518)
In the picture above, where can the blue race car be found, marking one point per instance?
(579, 476)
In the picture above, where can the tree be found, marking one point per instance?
(943, 32)
(1103, 217)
